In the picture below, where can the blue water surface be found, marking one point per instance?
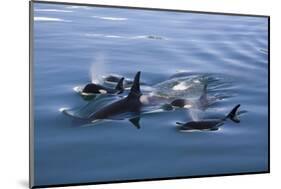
(76, 44)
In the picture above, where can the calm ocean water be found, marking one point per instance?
(74, 45)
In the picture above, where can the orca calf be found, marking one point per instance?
(99, 89)
(210, 124)
(131, 103)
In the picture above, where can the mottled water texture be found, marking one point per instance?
(75, 45)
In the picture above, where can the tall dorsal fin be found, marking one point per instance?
(135, 89)
(203, 98)
(119, 85)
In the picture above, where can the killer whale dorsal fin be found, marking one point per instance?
(204, 98)
(135, 89)
(119, 85)
(233, 114)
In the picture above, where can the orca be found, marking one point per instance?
(131, 103)
(112, 79)
(210, 124)
(93, 88)
(132, 107)
(202, 103)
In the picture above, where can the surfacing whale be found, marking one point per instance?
(112, 79)
(202, 103)
(210, 124)
(133, 104)
(129, 104)
(93, 88)
(116, 107)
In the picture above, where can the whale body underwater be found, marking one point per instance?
(111, 106)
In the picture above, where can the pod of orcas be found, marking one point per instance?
(135, 100)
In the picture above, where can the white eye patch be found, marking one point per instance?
(102, 91)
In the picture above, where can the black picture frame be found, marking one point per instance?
(31, 22)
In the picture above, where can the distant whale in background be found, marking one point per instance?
(99, 89)
(154, 37)
(210, 124)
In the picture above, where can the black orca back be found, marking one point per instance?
(179, 103)
(119, 86)
(201, 125)
(92, 88)
(129, 104)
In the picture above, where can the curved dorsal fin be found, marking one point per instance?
(233, 114)
(203, 98)
(135, 89)
(119, 85)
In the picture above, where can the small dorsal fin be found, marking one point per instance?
(203, 98)
(233, 114)
(119, 85)
(135, 89)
